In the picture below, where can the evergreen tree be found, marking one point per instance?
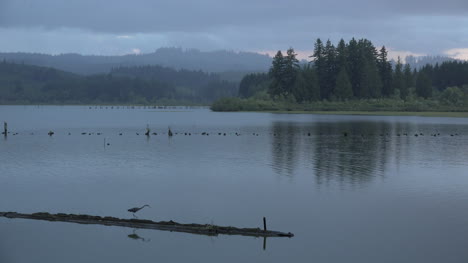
(312, 84)
(253, 83)
(371, 84)
(319, 63)
(343, 89)
(385, 69)
(354, 65)
(277, 70)
(408, 82)
(342, 56)
(423, 85)
(300, 91)
(291, 67)
(330, 61)
(398, 78)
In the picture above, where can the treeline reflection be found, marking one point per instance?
(354, 152)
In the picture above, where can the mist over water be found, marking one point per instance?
(375, 195)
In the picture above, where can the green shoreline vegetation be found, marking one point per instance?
(354, 78)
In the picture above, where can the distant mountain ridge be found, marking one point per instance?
(421, 61)
(177, 58)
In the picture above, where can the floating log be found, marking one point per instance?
(201, 229)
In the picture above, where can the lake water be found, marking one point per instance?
(371, 196)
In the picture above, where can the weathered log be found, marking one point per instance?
(202, 229)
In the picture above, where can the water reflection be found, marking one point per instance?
(353, 152)
(135, 236)
(356, 158)
(285, 147)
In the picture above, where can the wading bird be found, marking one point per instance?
(136, 209)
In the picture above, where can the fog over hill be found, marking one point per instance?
(421, 61)
(177, 58)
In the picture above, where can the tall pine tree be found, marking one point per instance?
(398, 78)
(277, 86)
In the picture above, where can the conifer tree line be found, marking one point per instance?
(353, 70)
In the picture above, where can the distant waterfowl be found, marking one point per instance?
(136, 209)
(120, 134)
(50, 133)
(169, 133)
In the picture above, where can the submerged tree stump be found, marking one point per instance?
(201, 229)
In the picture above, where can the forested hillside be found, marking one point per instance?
(32, 84)
(177, 58)
(352, 71)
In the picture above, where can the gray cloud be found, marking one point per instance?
(93, 26)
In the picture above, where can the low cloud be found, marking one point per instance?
(117, 26)
(457, 53)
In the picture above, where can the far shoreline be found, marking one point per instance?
(377, 113)
(447, 114)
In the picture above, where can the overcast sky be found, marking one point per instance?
(114, 27)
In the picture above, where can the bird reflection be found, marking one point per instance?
(135, 236)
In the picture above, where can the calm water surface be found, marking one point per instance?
(372, 196)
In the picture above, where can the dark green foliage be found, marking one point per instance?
(399, 79)
(385, 69)
(330, 70)
(138, 85)
(252, 84)
(453, 96)
(408, 82)
(283, 73)
(423, 85)
(291, 67)
(277, 75)
(343, 88)
(306, 87)
(358, 72)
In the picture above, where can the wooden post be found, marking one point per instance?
(147, 133)
(264, 224)
(5, 128)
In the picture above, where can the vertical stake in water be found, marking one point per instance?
(147, 133)
(264, 224)
(5, 128)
